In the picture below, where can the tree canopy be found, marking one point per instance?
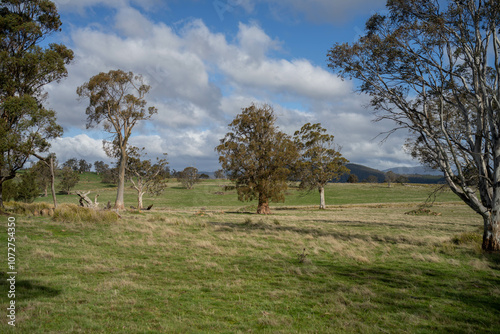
(433, 67)
(257, 156)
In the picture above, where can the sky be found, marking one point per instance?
(205, 60)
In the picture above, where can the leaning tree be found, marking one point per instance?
(433, 67)
(117, 99)
(257, 156)
(27, 65)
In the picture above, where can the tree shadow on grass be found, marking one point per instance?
(25, 289)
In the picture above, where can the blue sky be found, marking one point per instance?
(205, 60)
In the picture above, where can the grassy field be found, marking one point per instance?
(202, 262)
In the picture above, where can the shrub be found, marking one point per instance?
(76, 214)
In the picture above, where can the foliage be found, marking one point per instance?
(433, 67)
(26, 127)
(110, 176)
(84, 166)
(69, 179)
(100, 167)
(189, 177)
(27, 188)
(9, 190)
(257, 156)
(353, 178)
(41, 169)
(219, 174)
(118, 100)
(71, 163)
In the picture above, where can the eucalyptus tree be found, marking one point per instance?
(117, 99)
(433, 67)
(26, 127)
(320, 159)
(147, 177)
(257, 156)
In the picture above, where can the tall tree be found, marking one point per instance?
(320, 161)
(189, 177)
(147, 177)
(69, 179)
(117, 98)
(71, 163)
(25, 125)
(84, 166)
(433, 67)
(47, 168)
(257, 157)
(100, 167)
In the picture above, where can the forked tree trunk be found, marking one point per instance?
(322, 205)
(263, 208)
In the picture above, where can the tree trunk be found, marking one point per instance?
(53, 182)
(119, 203)
(139, 200)
(1, 195)
(322, 205)
(263, 208)
(491, 235)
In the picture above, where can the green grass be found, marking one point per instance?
(362, 266)
(211, 193)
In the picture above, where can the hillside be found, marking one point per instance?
(363, 172)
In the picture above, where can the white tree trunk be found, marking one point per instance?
(322, 205)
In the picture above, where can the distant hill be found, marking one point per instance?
(363, 172)
(418, 170)
(414, 174)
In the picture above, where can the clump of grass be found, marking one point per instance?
(248, 221)
(77, 214)
(276, 222)
(157, 218)
(35, 209)
(467, 238)
(422, 211)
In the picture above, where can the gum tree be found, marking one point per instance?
(433, 67)
(257, 156)
(320, 159)
(117, 99)
(147, 177)
(26, 127)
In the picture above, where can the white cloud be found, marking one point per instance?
(80, 147)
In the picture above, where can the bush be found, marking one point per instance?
(77, 214)
(27, 189)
